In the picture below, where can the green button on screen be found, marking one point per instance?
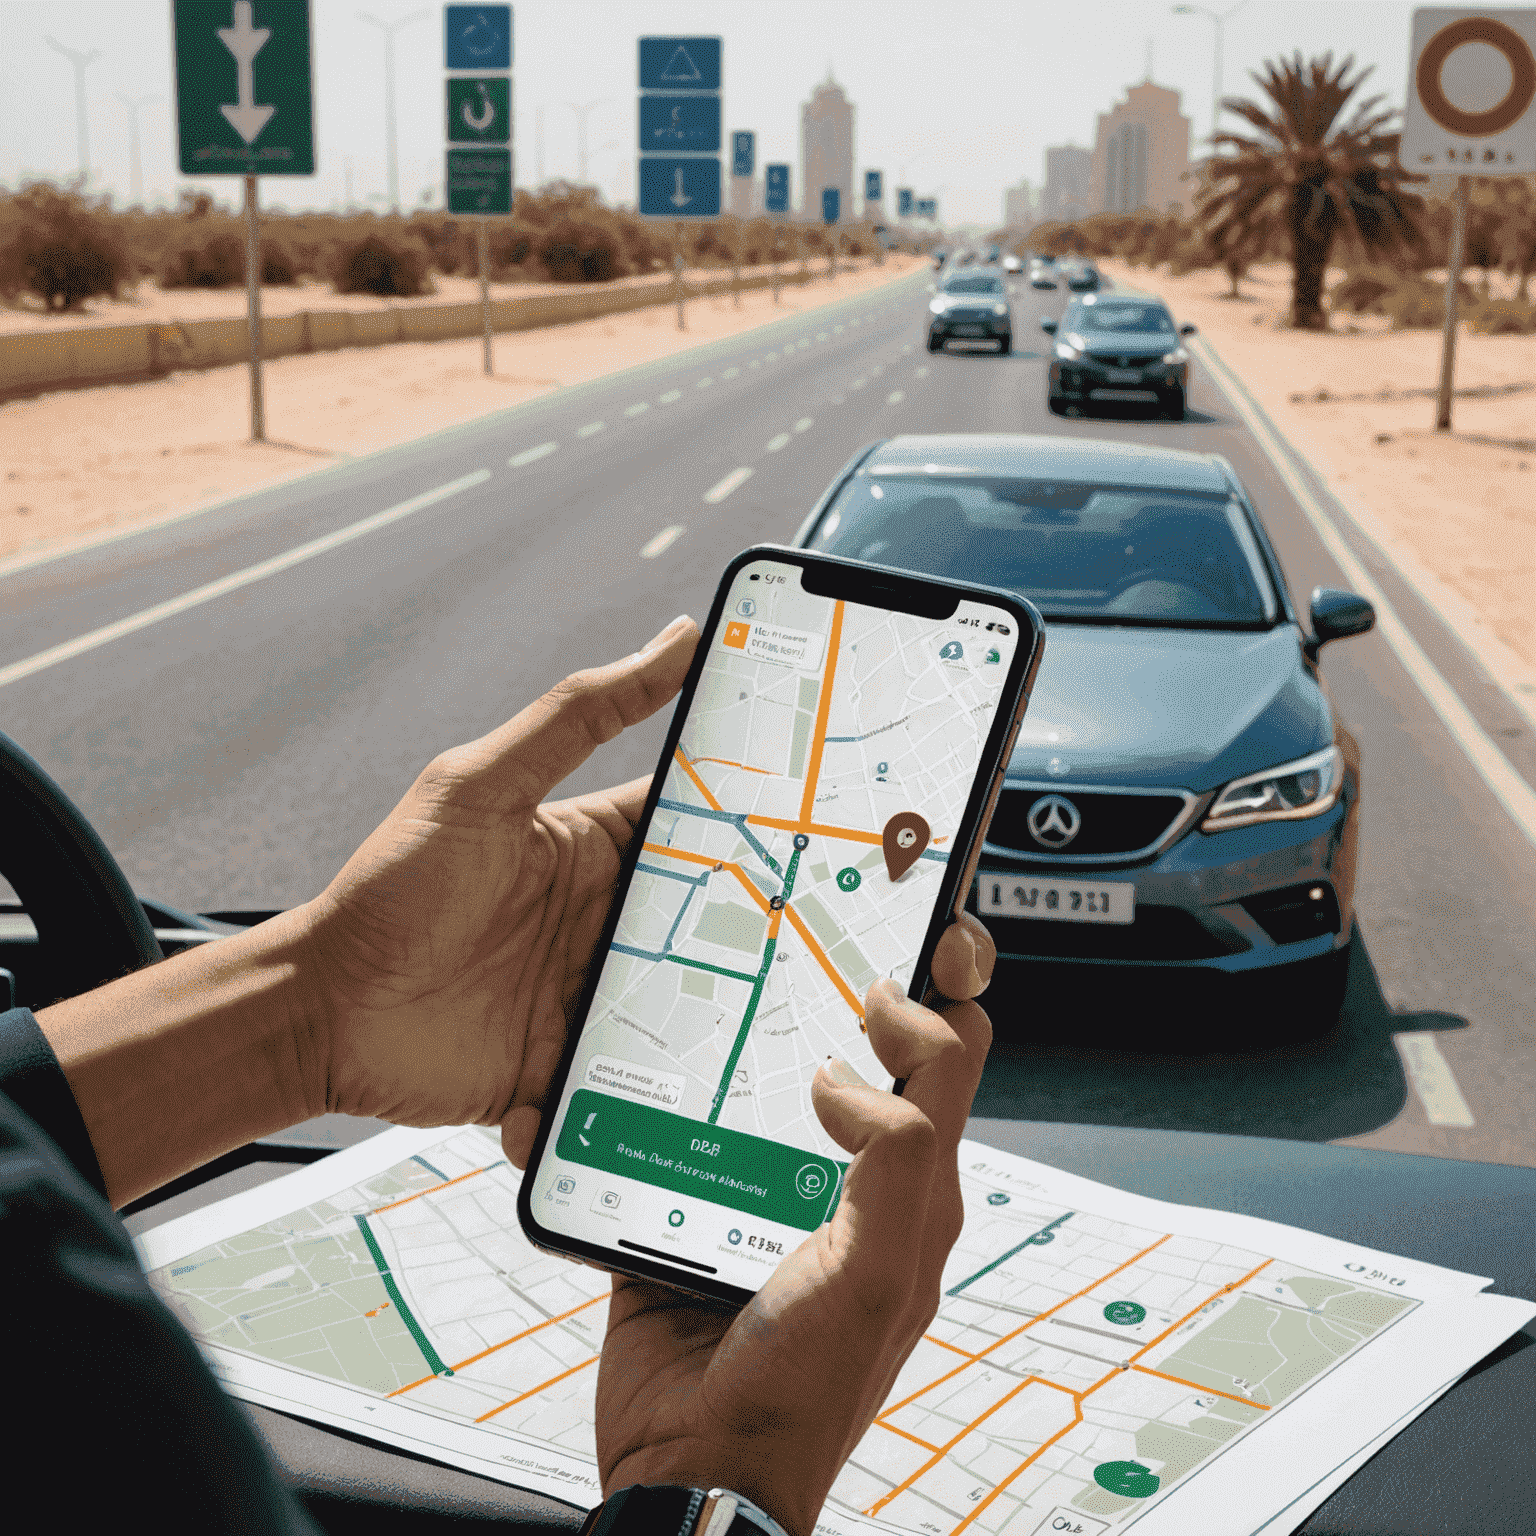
(730, 1168)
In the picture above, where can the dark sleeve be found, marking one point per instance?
(119, 1418)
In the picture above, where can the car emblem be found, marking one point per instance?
(1054, 821)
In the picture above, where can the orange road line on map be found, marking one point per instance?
(1039, 1317)
(823, 709)
(847, 834)
(381, 1307)
(905, 1436)
(698, 783)
(699, 858)
(548, 1322)
(512, 1402)
(746, 767)
(1225, 1290)
(955, 1348)
(1146, 1370)
(378, 1210)
(1077, 1418)
(826, 965)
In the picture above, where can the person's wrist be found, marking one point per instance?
(694, 1465)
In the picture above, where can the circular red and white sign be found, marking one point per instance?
(1503, 114)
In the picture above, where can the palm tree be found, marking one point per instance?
(1307, 173)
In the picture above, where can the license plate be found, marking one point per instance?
(1123, 375)
(1055, 901)
(976, 330)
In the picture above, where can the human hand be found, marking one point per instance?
(457, 937)
(771, 1401)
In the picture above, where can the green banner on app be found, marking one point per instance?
(691, 1157)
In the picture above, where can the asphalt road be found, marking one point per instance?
(234, 751)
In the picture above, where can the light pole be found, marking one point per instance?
(135, 167)
(581, 110)
(389, 28)
(1216, 22)
(79, 60)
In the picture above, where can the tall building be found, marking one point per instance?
(1018, 206)
(1141, 154)
(826, 148)
(1065, 197)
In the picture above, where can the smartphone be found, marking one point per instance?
(814, 824)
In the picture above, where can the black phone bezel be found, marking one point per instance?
(875, 586)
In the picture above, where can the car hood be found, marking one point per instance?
(1132, 342)
(1148, 707)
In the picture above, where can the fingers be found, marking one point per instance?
(965, 958)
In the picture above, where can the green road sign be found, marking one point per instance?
(1126, 1313)
(1129, 1479)
(244, 102)
(480, 109)
(479, 181)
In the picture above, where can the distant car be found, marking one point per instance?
(1041, 273)
(991, 255)
(1083, 277)
(1011, 263)
(1183, 796)
(1110, 347)
(971, 305)
(940, 256)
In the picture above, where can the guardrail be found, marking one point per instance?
(37, 362)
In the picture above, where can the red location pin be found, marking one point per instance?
(905, 837)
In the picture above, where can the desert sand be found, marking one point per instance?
(82, 462)
(1359, 401)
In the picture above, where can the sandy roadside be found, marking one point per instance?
(79, 463)
(1460, 505)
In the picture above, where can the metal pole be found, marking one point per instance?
(253, 309)
(391, 152)
(677, 273)
(800, 246)
(1452, 283)
(776, 236)
(832, 255)
(485, 291)
(736, 266)
(79, 59)
(1216, 87)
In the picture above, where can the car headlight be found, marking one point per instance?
(999, 309)
(1178, 355)
(1307, 787)
(1067, 352)
(936, 305)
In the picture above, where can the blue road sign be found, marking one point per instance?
(679, 186)
(831, 203)
(904, 202)
(679, 63)
(676, 125)
(776, 191)
(743, 153)
(927, 208)
(477, 36)
(873, 187)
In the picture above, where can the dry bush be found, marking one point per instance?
(1413, 302)
(60, 247)
(382, 264)
(1361, 290)
(1503, 317)
(576, 251)
(214, 259)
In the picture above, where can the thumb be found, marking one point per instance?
(555, 735)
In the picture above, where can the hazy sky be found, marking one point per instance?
(960, 97)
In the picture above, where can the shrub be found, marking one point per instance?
(573, 251)
(60, 247)
(1418, 303)
(1362, 290)
(382, 265)
(212, 259)
(1503, 317)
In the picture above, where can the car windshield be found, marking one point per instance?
(1122, 317)
(974, 284)
(1094, 553)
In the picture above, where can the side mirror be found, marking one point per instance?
(1337, 615)
(1186, 330)
(1048, 326)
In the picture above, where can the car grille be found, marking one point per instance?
(1159, 933)
(969, 316)
(1112, 825)
(1126, 359)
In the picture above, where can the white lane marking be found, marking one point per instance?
(770, 357)
(31, 665)
(895, 397)
(1508, 788)
(756, 362)
(717, 493)
(821, 335)
(705, 383)
(663, 541)
(837, 330)
(532, 455)
(637, 408)
(1432, 1079)
(906, 348)
(729, 373)
(858, 384)
(876, 371)
(804, 424)
(590, 428)
(669, 397)
(781, 441)
(919, 373)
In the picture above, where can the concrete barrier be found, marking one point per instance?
(37, 362)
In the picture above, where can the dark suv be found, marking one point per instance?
(1114, 347)
(971, 305)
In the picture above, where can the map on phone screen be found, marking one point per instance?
(794, 858)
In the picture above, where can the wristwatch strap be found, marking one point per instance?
(674, 1511)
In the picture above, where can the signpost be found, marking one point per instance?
(874, 197)
(245, 107)
(927, 208)
(831, 206)
(679, 137)
(743, 169)
(776, 200)
(477, 55)
(904, 202)
(1471, 112)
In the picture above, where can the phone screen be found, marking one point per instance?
(795, 856)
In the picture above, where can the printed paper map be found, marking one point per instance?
(1098, 1358)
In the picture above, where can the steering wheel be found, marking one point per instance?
(90, 926)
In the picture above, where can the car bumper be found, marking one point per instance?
(972, 330)
(1090, 381)
(1248, 900)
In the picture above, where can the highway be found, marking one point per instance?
(236, 698)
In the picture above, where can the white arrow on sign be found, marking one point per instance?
(482, 119)
(680, 199)
(245, 42)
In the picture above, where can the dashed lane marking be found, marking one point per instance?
(717, 493)
(804, 424)
(39, 662)
(821, 335)
(669, 397)
(1432, 1079)
(858, 384)
(729, 373)
(663, 541)
(895, 397)
(532, 455)
(637, 408)
(919, 373)
(590, 428)
(775, 443)
(705, 383)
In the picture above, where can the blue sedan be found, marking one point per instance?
(1183, 795)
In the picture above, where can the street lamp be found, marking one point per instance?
(1216, 21)
(389, 28)
(581, 111)
(135, 170)
(79, 59)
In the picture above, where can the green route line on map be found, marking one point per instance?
(438, 1366)
(418, 1158)
(1046, 1234)
(757, 996)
